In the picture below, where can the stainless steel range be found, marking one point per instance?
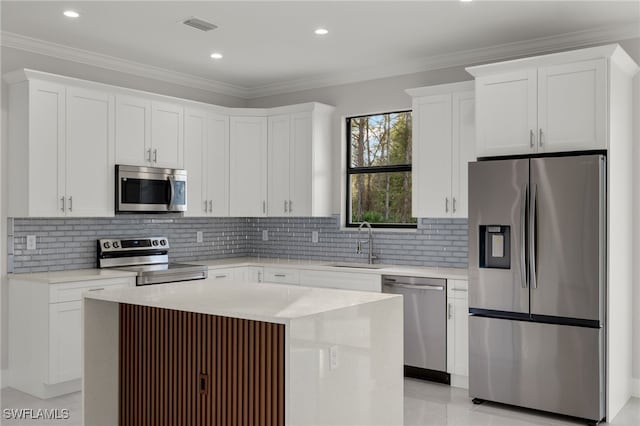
(149, 257)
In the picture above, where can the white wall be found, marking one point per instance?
(636, 235)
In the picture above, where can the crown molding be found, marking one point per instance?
(462, 58)
(42, 47)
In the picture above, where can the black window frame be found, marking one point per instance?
(372, 169)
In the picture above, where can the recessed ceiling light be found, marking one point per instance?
(216, 55)
(321, 31)
(71, 14)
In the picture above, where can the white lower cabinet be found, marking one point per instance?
(458, 333)
(45, 333)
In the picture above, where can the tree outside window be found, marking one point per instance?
(379, 170)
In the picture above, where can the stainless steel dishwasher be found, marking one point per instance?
(425, 325)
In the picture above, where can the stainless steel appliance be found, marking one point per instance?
(150, 189)
(425, 325)
(537, 283)
(149, 258)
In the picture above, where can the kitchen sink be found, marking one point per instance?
(355, 265)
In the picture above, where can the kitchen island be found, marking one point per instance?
(206, 352)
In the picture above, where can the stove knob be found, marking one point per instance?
(163, 242)
(106, 244)
(116, 244)
(154, 242)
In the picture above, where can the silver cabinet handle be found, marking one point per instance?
(540, 137)
(149, 155)
(532, 238)
(63, 203)
(285, 206)
(96, 289)
(449, 309)
(453, 204)
(279, 275)
(205, 206)
(259, 276)
(531, 136)
(221, 276)
(446, 204)
(210, 206)
(264, 206)
(155, 155)
(290, 206)
(459, 289)
(523, 234)
(70, 203)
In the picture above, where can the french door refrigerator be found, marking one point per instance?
(537, 283)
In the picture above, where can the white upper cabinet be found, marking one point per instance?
(549, 103)
(133, 131)
(61, 150)
(89, 153)
(149, 132)
(299, 161)
(443, 144)
(206, 157)
(248, 166)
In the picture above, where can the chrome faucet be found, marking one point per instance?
(369, 242)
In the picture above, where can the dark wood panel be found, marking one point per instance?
(184, 368)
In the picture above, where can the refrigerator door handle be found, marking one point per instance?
(523, 234)
(533, 237)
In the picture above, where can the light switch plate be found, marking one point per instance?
(333, 357)
(31, 242)
(265, 235)
(199, 236)
(314, 236)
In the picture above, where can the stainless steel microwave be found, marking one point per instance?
(150, 189)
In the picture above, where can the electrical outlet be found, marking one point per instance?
(265, 235)
(31, 242)
(314, 236)
(199, 236)
(333, 357)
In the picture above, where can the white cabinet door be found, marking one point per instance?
(463, 150)
(133, 131)
(279, 165)
(432, 156)
(216, 166)
(572, 106)
(89, 153)
(195, 148)
(507, 113)
(167, 143)
(457, 332)
(255, 274)
(248, 166)
(65, 350)
(45, 184)
(304, 166)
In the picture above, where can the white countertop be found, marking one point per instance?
(56, 277)
(261, 302)
(378, 269)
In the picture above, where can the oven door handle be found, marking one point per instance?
(172, 184)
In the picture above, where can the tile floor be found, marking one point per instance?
(425, 403)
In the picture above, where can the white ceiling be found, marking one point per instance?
(270, 46)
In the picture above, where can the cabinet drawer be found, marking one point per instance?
(457, 289)
(282, 276)
(69, 292)
(228, 274)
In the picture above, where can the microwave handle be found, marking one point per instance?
(172, 184)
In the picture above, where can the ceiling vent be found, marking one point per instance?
(199, 24)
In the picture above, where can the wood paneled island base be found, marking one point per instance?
(186, 368)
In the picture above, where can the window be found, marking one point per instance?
(379, 170)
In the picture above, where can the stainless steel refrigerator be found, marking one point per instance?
(537, 283)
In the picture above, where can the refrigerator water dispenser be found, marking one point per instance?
(495, 246)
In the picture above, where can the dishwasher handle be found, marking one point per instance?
(413, 286)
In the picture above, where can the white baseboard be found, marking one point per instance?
(635, 387)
